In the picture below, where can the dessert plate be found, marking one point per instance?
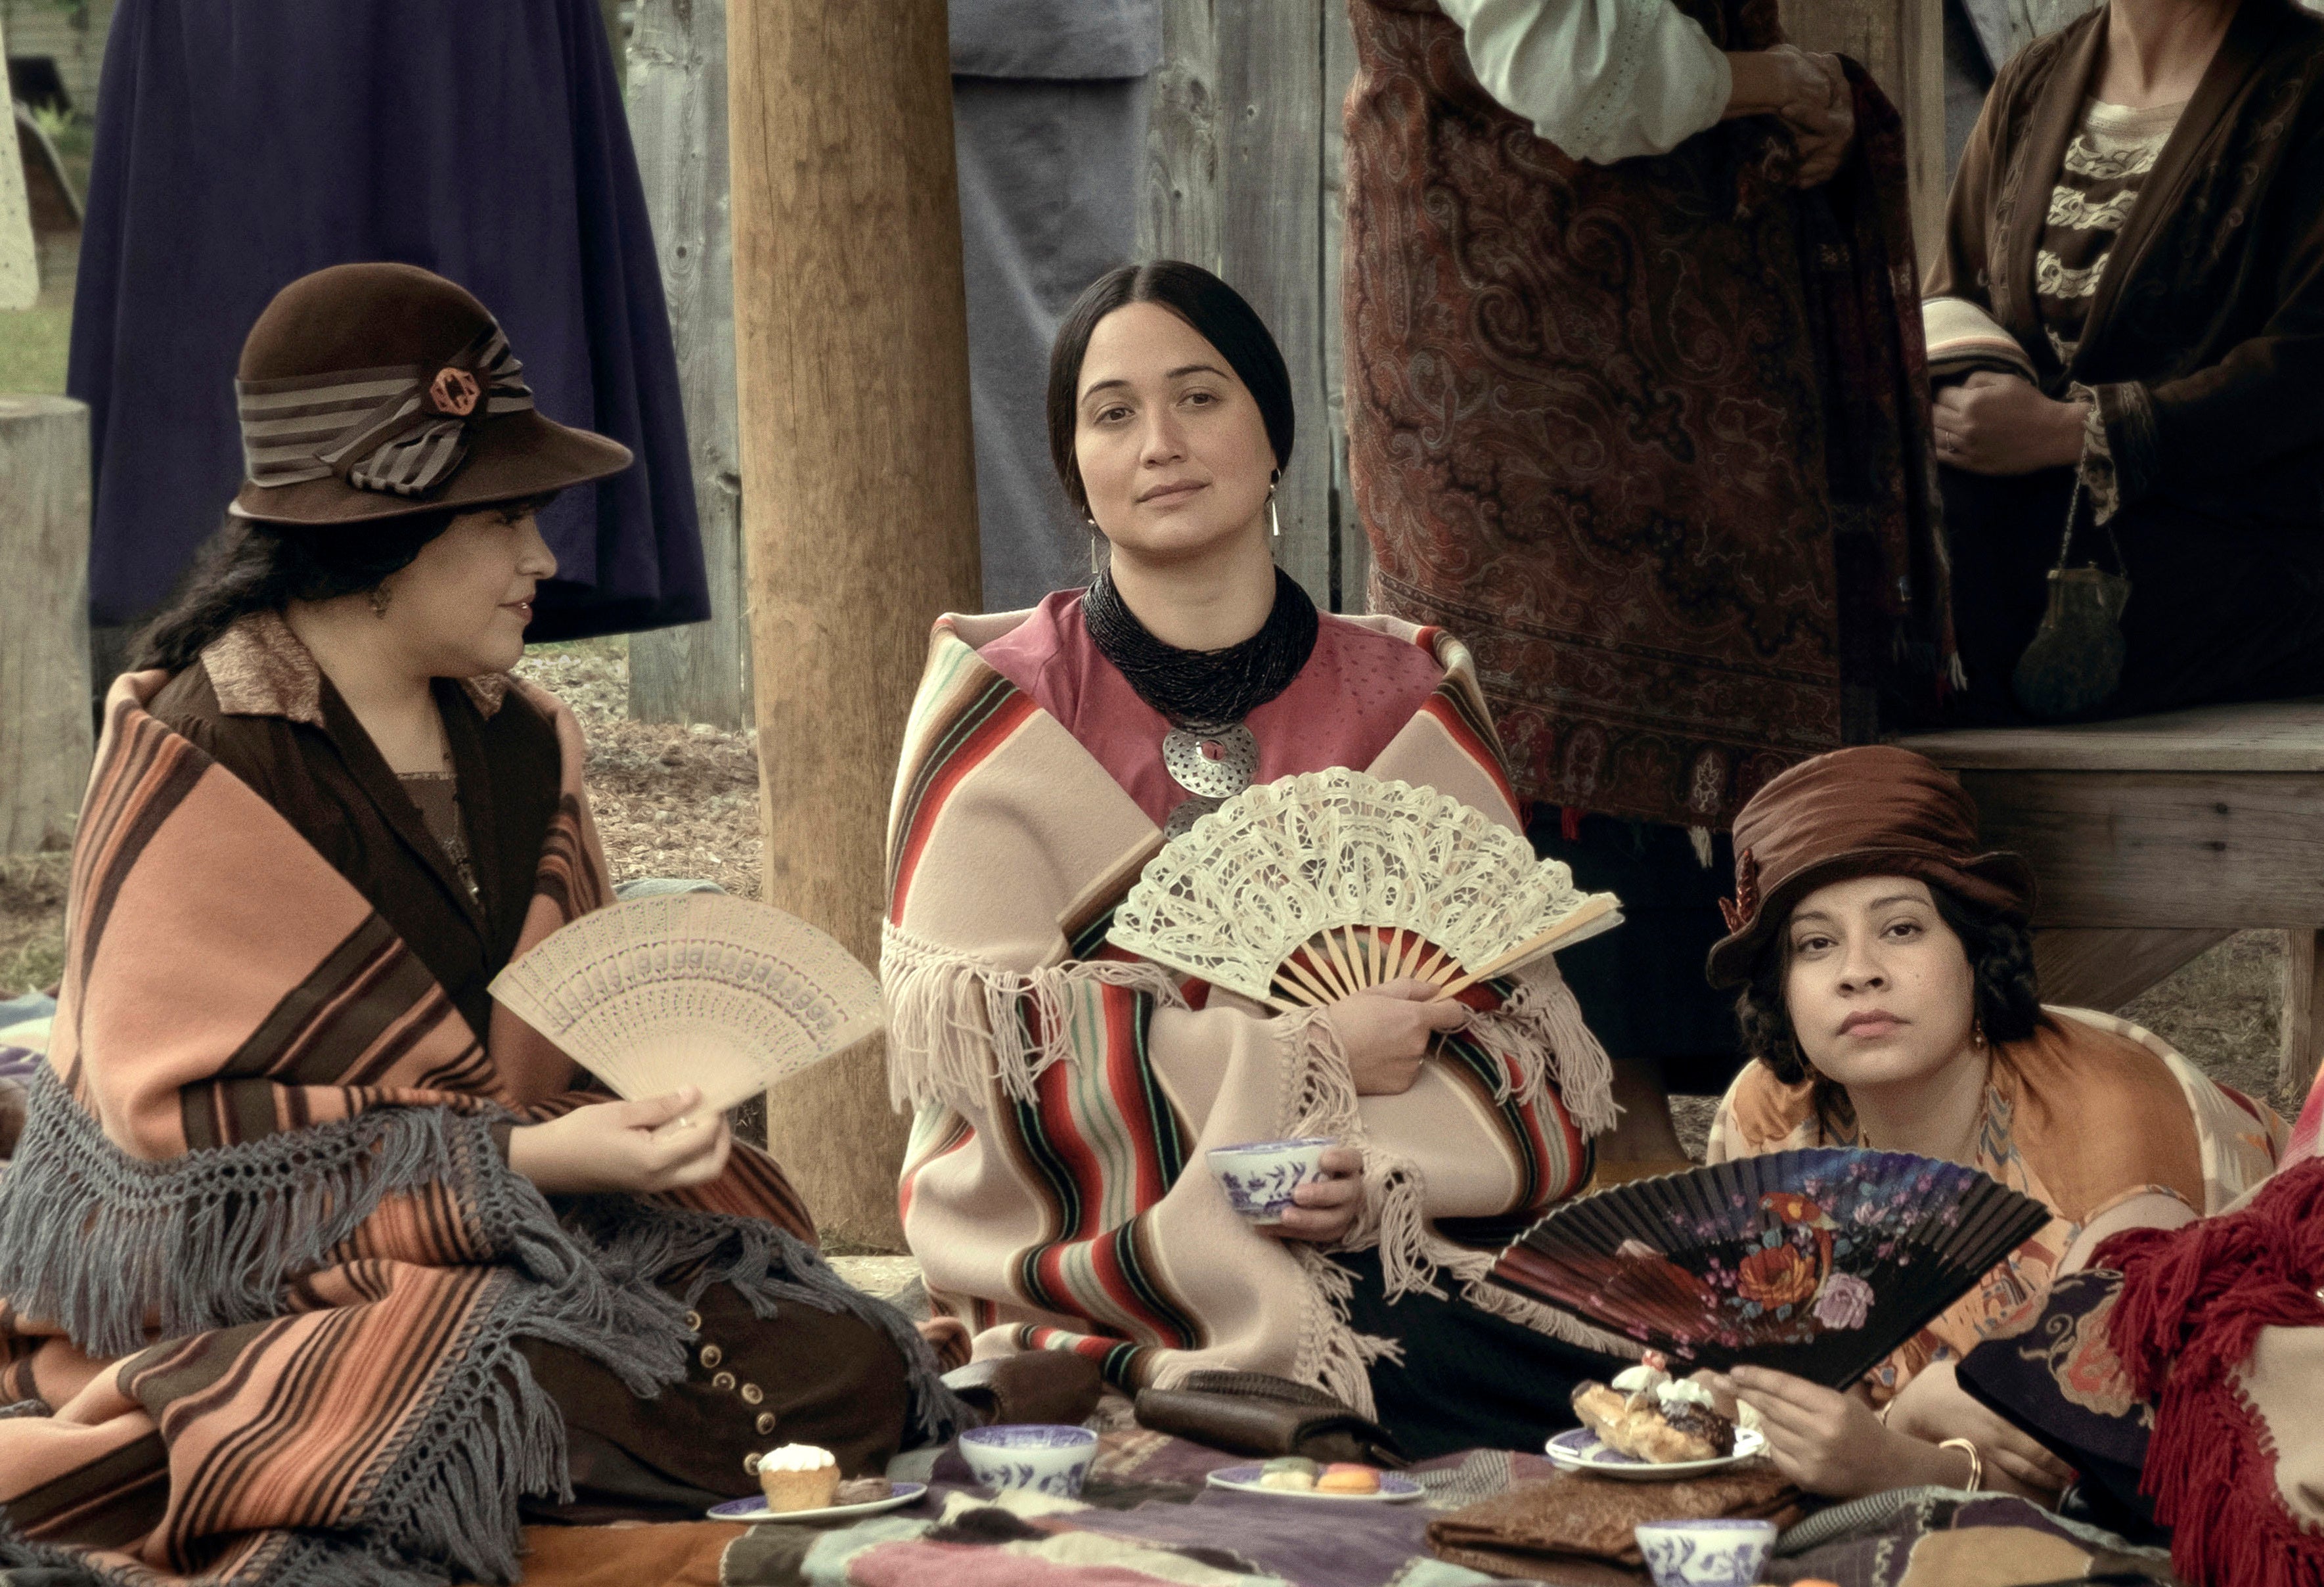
(755, 1509)
(1581, 1450)
(1394, 1488)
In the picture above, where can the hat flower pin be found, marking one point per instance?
(454, 391)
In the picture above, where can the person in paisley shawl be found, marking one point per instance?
(1635, 404)
(1888, 998)
(2124, 328)
(1066, 1091)
(316, 1265)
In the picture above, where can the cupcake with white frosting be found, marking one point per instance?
(798, 1476)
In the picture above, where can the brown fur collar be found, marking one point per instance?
(259, 667)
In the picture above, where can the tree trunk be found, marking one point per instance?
(858, 483)
(44, 718)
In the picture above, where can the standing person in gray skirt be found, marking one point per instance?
(1049, 101)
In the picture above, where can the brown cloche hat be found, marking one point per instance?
(1873, 811)
(373, 391)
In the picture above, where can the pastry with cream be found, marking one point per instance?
(1646, 1414)
(1347, 1477)
(1292, 1473)
(798, 1476)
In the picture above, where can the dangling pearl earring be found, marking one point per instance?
(380, 596)
(1274, 523)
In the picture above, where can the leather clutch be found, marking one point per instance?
(1254, 1414)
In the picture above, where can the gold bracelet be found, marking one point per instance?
(1976, 1462)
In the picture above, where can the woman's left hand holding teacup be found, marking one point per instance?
(1325, 1209)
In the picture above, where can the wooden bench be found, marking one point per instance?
(2154, 838)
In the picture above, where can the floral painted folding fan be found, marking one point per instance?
(693, 988)
(1816, 1262)
(1302, 890)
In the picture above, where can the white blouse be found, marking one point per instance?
(1603, 79)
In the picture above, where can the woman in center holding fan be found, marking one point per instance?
(1054, 1190)
(1888, 1002)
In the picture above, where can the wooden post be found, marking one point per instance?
(858, 480)
(1901, 43)
(44, 716)
(700, 672)
(2303, 1003)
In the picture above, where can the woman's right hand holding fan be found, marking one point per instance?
(1385, 1031)
(655, 1144)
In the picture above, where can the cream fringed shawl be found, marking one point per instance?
(1054, 1190)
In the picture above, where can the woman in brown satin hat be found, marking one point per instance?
(1886, 963)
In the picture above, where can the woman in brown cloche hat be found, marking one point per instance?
(1887, 1001)
(286, 1145)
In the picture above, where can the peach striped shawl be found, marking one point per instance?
(1054, 1190)
(265, 1270)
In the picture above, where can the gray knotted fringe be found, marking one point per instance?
(103, 1244)
(100, 1242)
(489, 1436)
(640, 1243)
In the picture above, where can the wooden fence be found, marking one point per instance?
(1242, 177)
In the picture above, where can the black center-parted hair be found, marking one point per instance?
(1218, 314)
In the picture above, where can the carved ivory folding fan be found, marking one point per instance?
(1305, 890)
(695, 989)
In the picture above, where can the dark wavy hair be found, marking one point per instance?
(253, 565)
(2000, 949)
(1216, 310)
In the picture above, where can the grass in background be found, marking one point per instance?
(32, 922)
(32, 343)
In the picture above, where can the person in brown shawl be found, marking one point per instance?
(1635, 404)
(2126, 324)
(316, 1265)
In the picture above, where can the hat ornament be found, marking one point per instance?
(403, 429)
(1745, 902)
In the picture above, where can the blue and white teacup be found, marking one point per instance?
(1706, 1554)
(1044, 1456)
(1260, 1176)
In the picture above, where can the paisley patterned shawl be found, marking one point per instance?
(264, 1271)
(1651, 435)
(1054, 1189)
(2088, 1112)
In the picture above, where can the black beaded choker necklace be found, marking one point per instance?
(1204, 688)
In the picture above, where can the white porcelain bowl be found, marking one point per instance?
(1043, 1457)
(1260, 1176)
(1706, 1554)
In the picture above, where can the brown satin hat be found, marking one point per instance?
(373, 391)
(1873, 811)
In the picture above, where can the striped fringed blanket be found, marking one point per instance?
(266, 1272)
(1054, 1189)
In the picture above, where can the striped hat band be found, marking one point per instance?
(404, 429)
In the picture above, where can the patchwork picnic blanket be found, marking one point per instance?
(1147, 1517)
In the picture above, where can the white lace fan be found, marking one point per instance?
(695, 989)
(1309, 888)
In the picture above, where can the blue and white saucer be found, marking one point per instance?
(755, 1509)
(1581, 1450)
